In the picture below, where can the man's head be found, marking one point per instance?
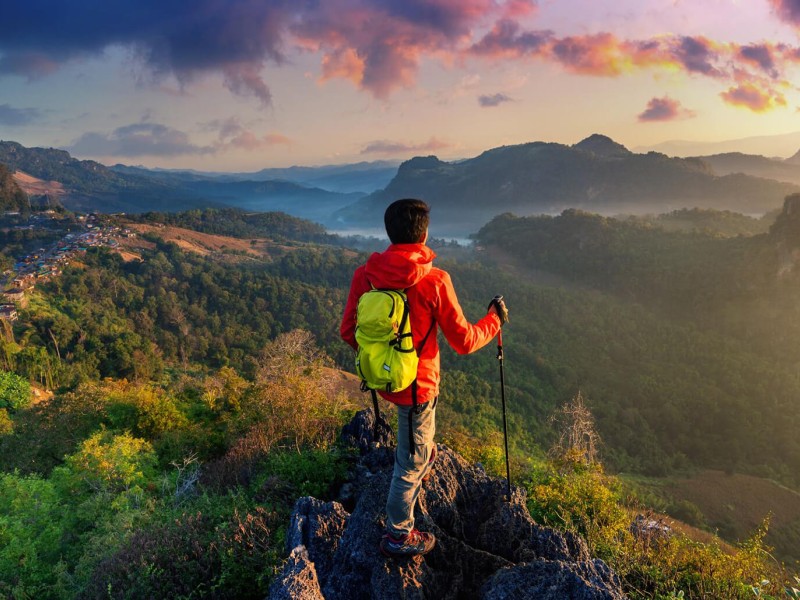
(406, 221)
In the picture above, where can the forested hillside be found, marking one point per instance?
(192, 403)
(12, 198)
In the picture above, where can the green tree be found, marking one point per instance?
(15, 392)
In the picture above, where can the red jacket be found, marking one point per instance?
(432, 304)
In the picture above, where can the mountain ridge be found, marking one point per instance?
(89, 186)
(596, 174)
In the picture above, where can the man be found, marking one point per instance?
(407, 265)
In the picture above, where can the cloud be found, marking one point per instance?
(753, 72)
(377, 44)
(598, 54)
(492, 100)
(754, 97)
(139, 139)
(760, 55)
(389, 147)
(507, 40)
(787, 10)
(232, 135)
(236, 38)
(697, 55)
(17, 116)
(664, 109)
(31, 65)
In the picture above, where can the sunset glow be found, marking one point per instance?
(239, 85)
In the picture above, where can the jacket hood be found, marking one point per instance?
(400, 266)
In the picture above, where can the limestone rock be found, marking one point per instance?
(554, 580)
(360, 432)
(298, 579)
(487, 546)
(317, 526)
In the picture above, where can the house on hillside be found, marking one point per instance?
(16, 295)
(26, 281)
(8, 312)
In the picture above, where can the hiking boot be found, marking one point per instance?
(415, 543)
(430, 468)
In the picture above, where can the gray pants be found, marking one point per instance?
(410, 468)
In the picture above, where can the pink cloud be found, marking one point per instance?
(507, 40)
(519, 8)
(390, 147)
(379, 45)
(599, 54)
(787, 10)
(754, 71)
(247, 140)
(233, 135)
(754, 97)
(760, 56)
(664, 109)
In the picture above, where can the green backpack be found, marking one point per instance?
(386, 359)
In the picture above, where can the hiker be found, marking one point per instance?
(407, 265)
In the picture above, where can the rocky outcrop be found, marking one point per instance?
(298, 580)
(487, 547)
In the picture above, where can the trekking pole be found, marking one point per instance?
(503, 397)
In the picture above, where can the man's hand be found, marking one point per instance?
(499, 307)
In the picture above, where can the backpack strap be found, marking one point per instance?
(398, 340)
(377, 415)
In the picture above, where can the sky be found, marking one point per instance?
(240, 85)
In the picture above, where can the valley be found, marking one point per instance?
(165, 326)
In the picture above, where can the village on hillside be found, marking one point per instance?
(48, 262)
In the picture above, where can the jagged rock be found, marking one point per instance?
(298, 579)
(317, 526)
(360, 571)
(554, 580)
(360, 432)
(463, 500)
(486, 546)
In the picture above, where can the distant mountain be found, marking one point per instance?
(759, 166)
(596, 174)
(264, 196)
(364, 177)
(602, 145)
(88, 186)
(766, 145)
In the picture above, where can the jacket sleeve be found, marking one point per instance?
(463, 336)
(348, 327)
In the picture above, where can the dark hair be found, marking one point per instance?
(406, 221)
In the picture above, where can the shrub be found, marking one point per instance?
(30, 535)
(113, 463)
(15, 392)
(294, 399)
(167, 561)
(312, 473)
(149, 411)
(193, 556)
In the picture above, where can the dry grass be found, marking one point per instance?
(38, 187)
(206, 243)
